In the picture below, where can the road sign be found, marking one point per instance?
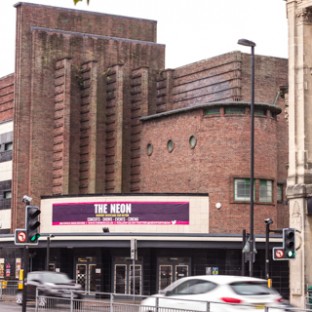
(279, 253)
(20, 237)
(134, 249)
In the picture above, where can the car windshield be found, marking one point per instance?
(252, 288)
(57, 278)
(191, 286)
(170, 287)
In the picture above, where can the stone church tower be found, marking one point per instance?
(299, 191)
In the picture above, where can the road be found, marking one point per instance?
(12, 307)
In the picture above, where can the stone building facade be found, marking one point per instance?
(299, 183)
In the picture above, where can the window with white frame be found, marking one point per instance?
(280, 192)
(242, 189)
(266, 191)
(7, 194)
(8, 146)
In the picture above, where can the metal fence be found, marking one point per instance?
(8, 290)
(107, 302)
(96, 302)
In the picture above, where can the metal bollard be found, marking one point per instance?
(111, 301)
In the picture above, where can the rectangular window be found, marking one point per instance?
(212, 111)
(8, 146)
(259, 112)
(265, 191)
(242, 189)
(280, 193)
(233, 110)
(7, 194)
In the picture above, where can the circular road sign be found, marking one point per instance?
(279, 253)
(20, 236)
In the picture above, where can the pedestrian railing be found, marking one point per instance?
(8, 290)
(92, 302)
(107, 302)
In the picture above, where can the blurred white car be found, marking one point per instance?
(224, 293)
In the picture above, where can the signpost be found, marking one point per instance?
(134, 257)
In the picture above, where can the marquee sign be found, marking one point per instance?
(99, 213)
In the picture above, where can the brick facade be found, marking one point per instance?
(6, 98)
(72, 84)
(91, 92)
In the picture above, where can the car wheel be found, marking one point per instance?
(19, 298)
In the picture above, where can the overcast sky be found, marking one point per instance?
(192, 30)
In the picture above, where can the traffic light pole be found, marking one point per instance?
(25, 264)
(268, 222)
(243, 254)
(267, 240)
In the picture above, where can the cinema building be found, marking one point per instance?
(119, 151)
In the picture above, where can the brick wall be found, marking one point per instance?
(6, 98)
(65, 99)
(82, 89)
(222, 152)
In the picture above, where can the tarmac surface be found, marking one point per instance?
(12, 307)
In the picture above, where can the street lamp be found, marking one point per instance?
(252, 45)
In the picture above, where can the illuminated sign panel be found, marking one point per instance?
(166, 213)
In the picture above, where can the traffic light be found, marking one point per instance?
(32, 224)
(289, 243)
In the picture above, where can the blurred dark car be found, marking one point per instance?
(49, 284)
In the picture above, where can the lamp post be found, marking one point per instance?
(252, 45)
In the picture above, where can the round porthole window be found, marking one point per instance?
(192, 141)
(149, 149)
(170, 146)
